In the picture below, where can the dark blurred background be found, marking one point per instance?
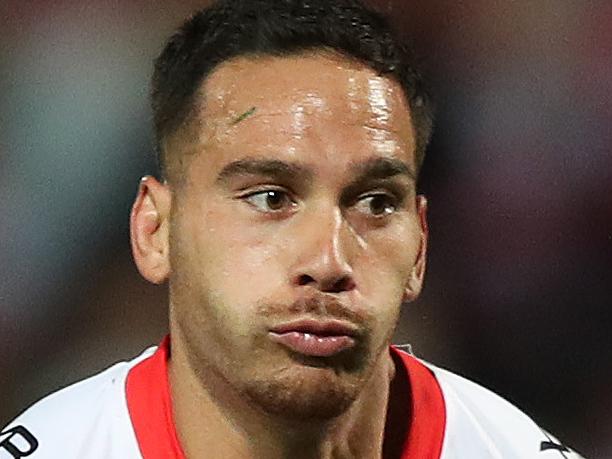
(518, 293)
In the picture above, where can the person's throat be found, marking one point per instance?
(213, 420)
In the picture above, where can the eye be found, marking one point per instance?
(269, 200)
(379, 204)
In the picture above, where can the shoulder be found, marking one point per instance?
(483, 424)
(89, 419)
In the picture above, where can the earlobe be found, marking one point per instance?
(415, 280)
(149, 230)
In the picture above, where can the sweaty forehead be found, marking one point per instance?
(324, 84)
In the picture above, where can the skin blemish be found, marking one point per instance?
(244, 116)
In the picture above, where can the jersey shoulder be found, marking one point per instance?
(89, 419)
(480, 423)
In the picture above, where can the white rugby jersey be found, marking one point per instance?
(125, 412)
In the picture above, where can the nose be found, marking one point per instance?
(323, 260)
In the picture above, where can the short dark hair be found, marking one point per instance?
(232, 28)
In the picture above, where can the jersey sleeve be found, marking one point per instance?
(88, 420)
(481, 424)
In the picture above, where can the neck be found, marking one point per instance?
(213, 421)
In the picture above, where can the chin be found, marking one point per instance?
(305, 394)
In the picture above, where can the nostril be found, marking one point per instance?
(305, 279)
(344, 284)
(331, 285)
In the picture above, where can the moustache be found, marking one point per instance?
(318, 306)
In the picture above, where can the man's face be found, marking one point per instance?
(296, 230)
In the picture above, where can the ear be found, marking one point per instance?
(149, 229)
(415, 280)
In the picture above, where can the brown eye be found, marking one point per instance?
(377, 205)
(269, 200)
(275, 200)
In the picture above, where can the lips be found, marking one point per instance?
(315, 338)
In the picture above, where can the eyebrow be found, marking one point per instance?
(268, 167)
(372, 169)
(382, 168)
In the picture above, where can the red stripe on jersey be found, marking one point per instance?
(427, 411)
(150, 407)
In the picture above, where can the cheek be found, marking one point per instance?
(238, 261)
(214, 291)
(390, 256)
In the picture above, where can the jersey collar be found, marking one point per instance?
(150, 407)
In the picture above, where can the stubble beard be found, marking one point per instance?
(288, 387)
(306, 393)
(298, 388)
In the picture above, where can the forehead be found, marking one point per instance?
(292, 102)
(325, 81)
